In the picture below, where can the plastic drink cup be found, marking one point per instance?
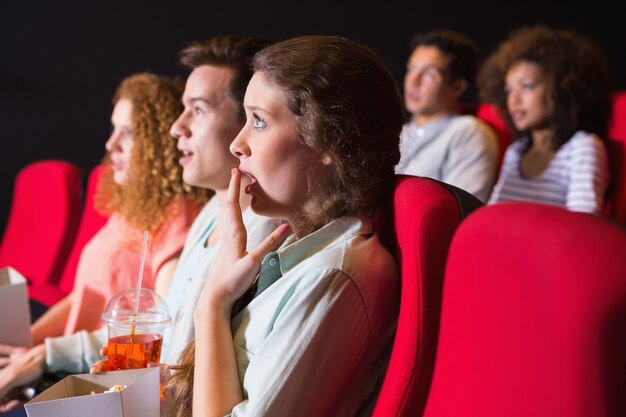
(135, 332)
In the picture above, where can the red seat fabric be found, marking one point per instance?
(90, 222)
(43, 220)
(425, 216)
(489, 114)
(533, 316)
(616, 145)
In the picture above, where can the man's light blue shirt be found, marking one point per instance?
(457, 149)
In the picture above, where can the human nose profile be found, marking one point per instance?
(239, 148)
(179, 128)
(112, 143)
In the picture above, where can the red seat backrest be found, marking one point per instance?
(425, 214)
(533, 316)
(616, 145)
(491, 115)
(43, 220)
(91, 221)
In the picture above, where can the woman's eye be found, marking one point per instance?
(127, 134)
(197, 110)
(259, 124)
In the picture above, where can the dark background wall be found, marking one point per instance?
(60, 61)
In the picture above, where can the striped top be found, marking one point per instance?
(576, 178)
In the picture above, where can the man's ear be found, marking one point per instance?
(459, 86)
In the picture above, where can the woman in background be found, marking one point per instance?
(141, 190)
(555, 87)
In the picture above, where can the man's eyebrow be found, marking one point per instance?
(200, 99)
(435, 67)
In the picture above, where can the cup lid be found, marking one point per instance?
(152, 309)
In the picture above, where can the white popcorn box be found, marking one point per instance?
(84, 395)
(14, 309)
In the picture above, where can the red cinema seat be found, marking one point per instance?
(489, 114)
(533, 316)
(90, 222)
(425, 214)
(616, 145)
(43, 220)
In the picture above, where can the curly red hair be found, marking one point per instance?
(154, 175)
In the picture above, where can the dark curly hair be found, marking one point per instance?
(579, 80)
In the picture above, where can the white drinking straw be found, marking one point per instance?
(143, 259)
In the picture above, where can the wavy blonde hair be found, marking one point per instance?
(154, 175)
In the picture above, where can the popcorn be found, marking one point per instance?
(114, 388)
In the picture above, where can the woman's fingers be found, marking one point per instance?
(234, 187)
(235, 228)
(235, 269)
(270, 243)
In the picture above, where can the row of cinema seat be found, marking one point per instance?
(52, 217)
(534, 301)
(514, 309)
